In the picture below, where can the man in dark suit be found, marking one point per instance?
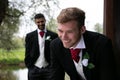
(37, 50)
(95, 59)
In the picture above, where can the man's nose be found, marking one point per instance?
(64, 35)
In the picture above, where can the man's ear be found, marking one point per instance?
(83, 29)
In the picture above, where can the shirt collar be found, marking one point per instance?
(81, 43)
(40, 30)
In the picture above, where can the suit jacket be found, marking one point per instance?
(99, 49)
(32, 47)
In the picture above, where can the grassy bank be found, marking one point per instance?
(12, 57)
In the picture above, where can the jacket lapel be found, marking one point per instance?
(89, 47)
(68, 63)
(35, 43)
(85, 69)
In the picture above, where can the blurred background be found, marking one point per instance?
(16, 20)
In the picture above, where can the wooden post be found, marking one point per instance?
(111, 24)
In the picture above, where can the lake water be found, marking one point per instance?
(19, 74)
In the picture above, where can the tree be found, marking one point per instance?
(3, 7)
(47, 7)
(13, 10)
(98, 28)
(8, 27)
(51, 25)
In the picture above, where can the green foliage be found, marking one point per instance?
(90, 65)
(51, 25)
(98, 28)
(12, 57)
(8, 28)
(18, 42)
(86, 56)
(16, 9)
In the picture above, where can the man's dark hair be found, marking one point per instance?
(40, 15)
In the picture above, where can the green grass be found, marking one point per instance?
(12, 57)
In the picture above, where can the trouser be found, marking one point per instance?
(36, 73)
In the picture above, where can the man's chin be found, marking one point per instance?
(66, 46)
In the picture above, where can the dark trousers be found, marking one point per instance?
(36, 73)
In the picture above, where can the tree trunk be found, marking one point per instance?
(3, 7)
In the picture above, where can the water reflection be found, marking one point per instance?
(19, 74)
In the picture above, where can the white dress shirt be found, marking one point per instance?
(79, 65)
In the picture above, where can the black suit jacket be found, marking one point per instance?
(101, 56)
(32, 47)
